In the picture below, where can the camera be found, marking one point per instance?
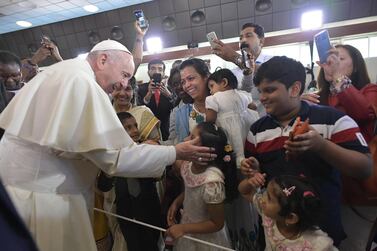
(156, 78)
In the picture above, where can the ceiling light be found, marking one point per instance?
(116, 33)
(168, 23)
(32, 48)
(24, 23)
(91, 8)
(93, 38)
(197, 17)
(154, 44)
(263, 5)
(311, 20)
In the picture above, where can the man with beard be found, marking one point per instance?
(252, 40)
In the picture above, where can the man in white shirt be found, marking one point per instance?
(59, 130)
(251, 35)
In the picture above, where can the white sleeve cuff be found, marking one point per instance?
(138, 161)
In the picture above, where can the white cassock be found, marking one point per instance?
(60, 129)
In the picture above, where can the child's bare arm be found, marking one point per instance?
(211, 115)
(213, 224)
(248, 187)
(174, 208)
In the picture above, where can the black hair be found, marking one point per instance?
(122, 116)
(215, 137)
(176, 63)
(259, 30)
(199, 65)
(187, 99)
(173, 71)
(219, 75)
(7, 57)
(282, 69)
(303, 200)
(156, 61)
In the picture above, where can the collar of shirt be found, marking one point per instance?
(303, 114)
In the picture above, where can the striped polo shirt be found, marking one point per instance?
(265, 142)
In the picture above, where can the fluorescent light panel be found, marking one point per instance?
(311, 20)
(154, 44)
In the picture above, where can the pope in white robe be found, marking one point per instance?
(59, 130)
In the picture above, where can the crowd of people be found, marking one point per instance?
(212, 155)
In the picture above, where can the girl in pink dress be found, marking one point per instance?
(206, 189)
(289, 208)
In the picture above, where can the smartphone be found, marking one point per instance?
(211, 36)
(157, 78)
(140, 18)
(322, 42)
(45, 39)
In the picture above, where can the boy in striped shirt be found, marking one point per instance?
(332, 146)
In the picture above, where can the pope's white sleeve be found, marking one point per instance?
(139, 161)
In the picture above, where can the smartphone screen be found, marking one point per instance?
(322, 42)
(139, 14)
(157, 78)
(211, 36)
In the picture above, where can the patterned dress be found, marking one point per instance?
(309, 240)
(200, 190)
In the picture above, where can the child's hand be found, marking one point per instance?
(176, 231)
(172, 212)
(309, 141)
(257, 180)
(249, 166)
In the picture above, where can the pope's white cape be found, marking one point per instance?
(59, 130)
(64, 108)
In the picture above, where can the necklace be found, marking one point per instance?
(196, 115)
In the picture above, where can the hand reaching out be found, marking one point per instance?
(249, 166)
(258, 180)
(139, 31)
(224, 51)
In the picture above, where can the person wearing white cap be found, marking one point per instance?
(59, 130)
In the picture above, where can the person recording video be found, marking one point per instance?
(156, 95)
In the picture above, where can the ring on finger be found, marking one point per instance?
(200, 159)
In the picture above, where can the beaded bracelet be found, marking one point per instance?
(344, 82)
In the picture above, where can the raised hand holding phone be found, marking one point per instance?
(140, 18)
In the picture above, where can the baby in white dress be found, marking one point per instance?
(231, 109)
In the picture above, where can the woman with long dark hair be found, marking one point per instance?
(344, 84)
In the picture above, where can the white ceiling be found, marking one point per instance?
(41, 12)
